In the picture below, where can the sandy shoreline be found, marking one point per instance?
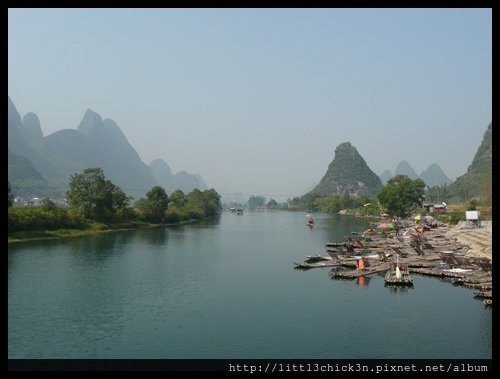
(478, 240)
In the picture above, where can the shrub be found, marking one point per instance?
(193, 213)
(39, 218)
(173, 215)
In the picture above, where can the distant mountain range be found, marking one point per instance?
(432, 176)
(236, 198)
(182, 180)
(42, 166)
(385, 176)
(348, 174)
(404, 168)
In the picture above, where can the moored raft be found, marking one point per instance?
(353, 274)
(306, 265)
(317, 258)
(483, 294)
(398, 274)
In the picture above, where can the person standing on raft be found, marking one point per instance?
(310, 220)
(360, 264)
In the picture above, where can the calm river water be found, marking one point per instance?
(227, 289)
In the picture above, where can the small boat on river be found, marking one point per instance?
(398, 274)
(306, 265)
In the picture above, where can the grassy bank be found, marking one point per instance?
(91, 228)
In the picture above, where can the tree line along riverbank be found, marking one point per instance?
(96, 205)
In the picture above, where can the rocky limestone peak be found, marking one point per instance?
(346, 150)
(484, 153)
(159, 166)
(348, 174)
(404, 168)
(90, 122)
(434, 176)
(385, 176)
(12, 112)
(32, 128)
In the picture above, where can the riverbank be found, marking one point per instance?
(460, 253)
(478, 240)
(39, 235)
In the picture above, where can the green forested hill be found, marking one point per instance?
(476, 183)
(348, 174)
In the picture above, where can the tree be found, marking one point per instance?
(472, 205)
(211, 202)
(178, 199)
(256, 201)
(272, 204)
(94, 196)
(327, 204)
(154, 206)
(11, 196)
(48, 205)
(401, 194)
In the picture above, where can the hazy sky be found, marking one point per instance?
(257, 100)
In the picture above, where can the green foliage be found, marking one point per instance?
(94, 196)
(202, 204)
(173, 215)
(153, 207)
(48, 205)
(272, 204)
(371, 207)
(195, 206)
(305, 202)
(472, 205)
(334, 203)
(256, 201)
(178, 199)
(476, 183)
(437, 194)
(348, 173)
(98, 226)
(401, 195)
(328, 204)
(193, 212)
(456, 217)
(127, 214)
(11, 196)
(211, 202)
(38, 218)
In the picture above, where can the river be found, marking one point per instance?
(226, 288)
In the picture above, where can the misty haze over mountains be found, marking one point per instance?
(432, 175)
(42, 166)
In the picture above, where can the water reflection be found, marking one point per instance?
(363, 281)
(154, 236)
(208, 290)
(397, 289)
(338, 226)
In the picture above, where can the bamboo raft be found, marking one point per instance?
(402, 278)
(353, 274)
(305, 265)
(483, 294)
(431, 254)
(435, 272)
